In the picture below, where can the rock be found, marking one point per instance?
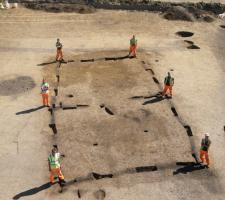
(1, 6)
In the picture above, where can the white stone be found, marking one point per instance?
(222, 15)
(7, 5)
(1, 6)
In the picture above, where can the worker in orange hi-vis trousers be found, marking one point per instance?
(45, 92)
(59, 53)
(205, 144)
(133, 46)
(55, 166)
(168, 84)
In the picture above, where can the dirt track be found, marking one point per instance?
(27, 39)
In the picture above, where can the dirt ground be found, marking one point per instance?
(138, 132)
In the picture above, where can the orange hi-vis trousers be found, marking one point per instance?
(167, 87)
(133, 50)
(59, 54)
(204, 156)
(56, 172)
(45, 99)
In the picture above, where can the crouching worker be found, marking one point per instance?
(54, 166)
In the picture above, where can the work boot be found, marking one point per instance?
(62, 182)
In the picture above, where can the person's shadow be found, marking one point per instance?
(47, 63)
(32, 191)
(188, 167)
(30, 110)
(154, 100)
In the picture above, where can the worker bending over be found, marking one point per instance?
(205, 144)
(54, 165)
(168, 84)
(133, 46)
(45, 92)
(59, 54)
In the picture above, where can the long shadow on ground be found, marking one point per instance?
(47, 63)
(33, 191)
(108, 58)
(154, 100)
(188, 167)
(90, 177)
(30, 110)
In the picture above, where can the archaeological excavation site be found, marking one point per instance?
(112, 100)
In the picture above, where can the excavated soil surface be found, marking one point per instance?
(115, 141)
(171, 11)
(60, 7)
(16, 85)
(184, 33)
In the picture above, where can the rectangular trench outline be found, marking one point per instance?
(138, 169)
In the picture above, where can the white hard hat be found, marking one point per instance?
(207, 134)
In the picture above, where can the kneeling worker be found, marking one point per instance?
(54, 166)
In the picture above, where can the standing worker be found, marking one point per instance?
(133, 46)
(205, 144)
(45, 92)
(54, 165)
(59, 54)
(168, 84)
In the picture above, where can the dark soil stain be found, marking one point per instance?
(174, 111)
(155, 80)
(109, 111)
(17, 85)
(61, 7)
(189, 42)
(70, 95)
(188, 129)
(193, 46)
(184, 33)
(208, 19)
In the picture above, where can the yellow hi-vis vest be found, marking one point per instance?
(54, 160)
